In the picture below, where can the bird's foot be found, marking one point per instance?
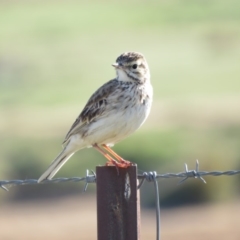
(122, 164)
(125, 163)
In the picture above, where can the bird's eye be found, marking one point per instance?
(134, 66)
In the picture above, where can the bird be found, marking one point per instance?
(113, 112)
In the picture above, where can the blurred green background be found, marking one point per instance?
(54, 55)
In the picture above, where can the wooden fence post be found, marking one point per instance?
(118, 203)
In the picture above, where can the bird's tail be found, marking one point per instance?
(57, 164)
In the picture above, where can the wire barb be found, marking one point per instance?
(4, 188)
(89, 179)
(192, 173)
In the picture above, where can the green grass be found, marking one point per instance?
(49, 50)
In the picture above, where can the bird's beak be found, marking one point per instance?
(116, 65)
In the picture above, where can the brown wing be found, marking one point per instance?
(94, 107)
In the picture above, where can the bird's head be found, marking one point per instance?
(132, 67)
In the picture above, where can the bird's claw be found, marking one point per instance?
(122, 164)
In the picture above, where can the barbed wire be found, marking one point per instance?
(91, 178)
(145, 176)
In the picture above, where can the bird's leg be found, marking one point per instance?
(112, 162)
(123, 163)
(120, 159)
(108, 157)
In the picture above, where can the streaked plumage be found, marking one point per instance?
(114, 111)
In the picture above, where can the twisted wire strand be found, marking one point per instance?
(148, 176)
(201, 173)
(92, 178)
